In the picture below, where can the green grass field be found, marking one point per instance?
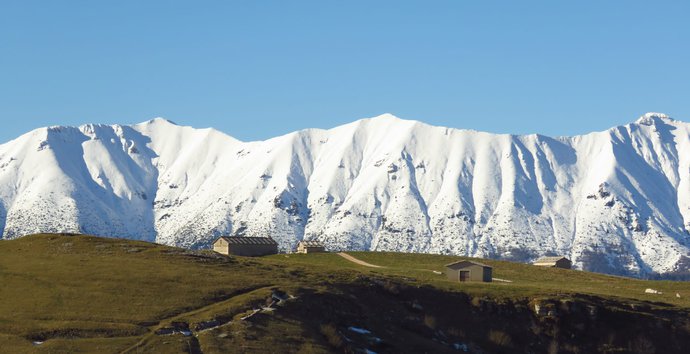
(69, 294)
(106, 294)
(526, 280)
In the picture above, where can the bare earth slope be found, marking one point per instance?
(616, 201)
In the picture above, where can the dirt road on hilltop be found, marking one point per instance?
(355, 260)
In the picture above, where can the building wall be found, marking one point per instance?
(314, 249)
(477, 273)
(563, 263)
(252, 250)
(221, 246)
(302, 249)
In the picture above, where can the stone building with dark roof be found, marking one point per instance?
(468, 271)
(311, 246)
(554, 262)
(245, 246)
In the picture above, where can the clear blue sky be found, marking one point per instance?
(255, 69)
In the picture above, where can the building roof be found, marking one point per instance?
(311, 243)
(468, 263)
(239, 240)
(550, 259)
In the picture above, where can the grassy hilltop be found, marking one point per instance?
(525, 280)
(68, 294)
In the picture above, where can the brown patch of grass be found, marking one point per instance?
(430, 321)
(500, 338)
(332, 335)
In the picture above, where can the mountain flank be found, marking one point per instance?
(616, 201)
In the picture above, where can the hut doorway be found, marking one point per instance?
(464, 275)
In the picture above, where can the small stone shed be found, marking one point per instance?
(311, 246)
(554, 262)
(245, 246)
(468, 271)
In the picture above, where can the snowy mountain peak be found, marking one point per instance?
(650, 118)
(386, 116)
(386, 119)
(615, 202)
(159, 120)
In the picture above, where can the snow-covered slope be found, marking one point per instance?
(616, 201)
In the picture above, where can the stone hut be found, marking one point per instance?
(245, 246)
(554, 262)
(310, 247)
(468, 271)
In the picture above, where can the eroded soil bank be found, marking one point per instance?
(385, 316)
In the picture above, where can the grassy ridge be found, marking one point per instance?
(532, 280)
(526, 280)
(57, 287)
(90, 294)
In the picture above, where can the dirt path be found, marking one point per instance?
(355, 260)
(226, 299)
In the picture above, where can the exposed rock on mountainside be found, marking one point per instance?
(616, 201)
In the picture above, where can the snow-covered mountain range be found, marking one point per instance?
(616, 201)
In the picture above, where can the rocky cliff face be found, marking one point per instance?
(616, 201)
(458, 322)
